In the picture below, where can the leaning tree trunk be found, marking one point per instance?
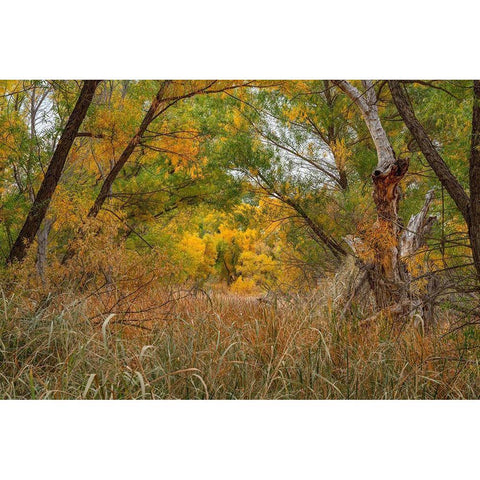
(52, 176)
(469, 207)
(106, 187)
(384, 269)
(132, 144)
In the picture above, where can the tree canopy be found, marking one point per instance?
(253, 186)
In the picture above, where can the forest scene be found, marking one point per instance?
(240, 239)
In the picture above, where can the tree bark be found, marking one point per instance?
(412, 238)
(385, 274)
(474, 225)
(419, 226)
(42, 247)
(469, 207)
(43, 198)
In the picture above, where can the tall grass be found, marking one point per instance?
(229, 347)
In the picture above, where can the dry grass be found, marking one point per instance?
(227, 347)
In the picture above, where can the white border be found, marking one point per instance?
(239, 439)
(259, 39)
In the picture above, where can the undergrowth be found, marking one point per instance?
(228, 347)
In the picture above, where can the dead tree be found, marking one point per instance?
(384, 272)
(390, 245)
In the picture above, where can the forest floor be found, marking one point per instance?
(229, 347)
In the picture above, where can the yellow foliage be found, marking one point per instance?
(200, 255)
(244, 286)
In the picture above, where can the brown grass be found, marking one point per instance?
(181, 346)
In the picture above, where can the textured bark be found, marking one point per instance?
(367, 104)
(42, 247)
(474, 225)
(42, 200)
(418, 228)
(469, 207)
(385, 274)
(412, 238)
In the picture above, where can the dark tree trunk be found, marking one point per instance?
(436, 162)
(120, 163)
(469, 207)
(474, 225)
(42, 200)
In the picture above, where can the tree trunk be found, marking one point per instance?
(436, 162)
(385, 276)
(42, 200)
(42, 244)
(120, 163)
(474, 225)
(469, 207)
(411, 239)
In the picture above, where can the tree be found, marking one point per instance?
(169, 94)
(52, 176)
(385, 274)
(388, 243)
(288, 152)
(468, 206)
(291, 160)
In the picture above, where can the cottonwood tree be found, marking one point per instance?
(290, 144)
(468, 205)
(383, 253)
(169, 94)
(52, 176)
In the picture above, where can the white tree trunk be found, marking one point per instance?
(385, 275)
(42, 247)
